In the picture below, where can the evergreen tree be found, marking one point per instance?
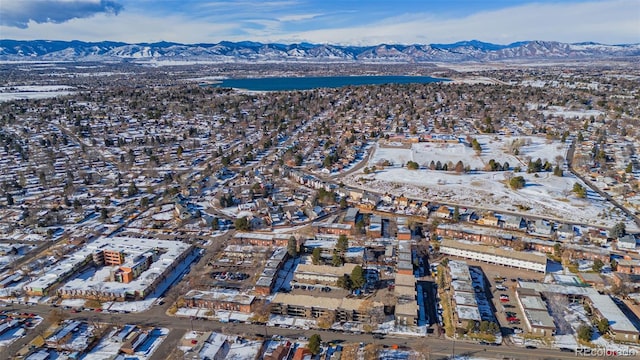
(357, 277)
(343, 243)
(316, 255)
(314, 344)
(557, 171)
(292, 246)
(336, 260)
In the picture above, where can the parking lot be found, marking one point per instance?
(503, 281)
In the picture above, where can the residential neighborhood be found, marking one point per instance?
(158, 216)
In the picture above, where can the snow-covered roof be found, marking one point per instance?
(468, 312)
(618, 321)
(538, 318)
(221, 295)
(133, 247)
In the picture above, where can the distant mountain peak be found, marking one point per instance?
(250, 51)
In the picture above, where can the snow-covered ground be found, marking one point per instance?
(545, 194)
(34, 92)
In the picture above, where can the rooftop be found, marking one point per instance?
(221, 295)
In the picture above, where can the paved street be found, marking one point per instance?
(439, 348)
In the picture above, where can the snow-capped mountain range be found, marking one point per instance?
(46, 50)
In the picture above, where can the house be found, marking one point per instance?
(627, 242)
(370, 199)
(565, 231)
(542, 228)
(443, 212)
(279, 352)
(512, 222)
(597, 237)
(488, 220)
(401, 201)
(356, 194)
(302, 354)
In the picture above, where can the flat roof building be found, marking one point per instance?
(494, 255)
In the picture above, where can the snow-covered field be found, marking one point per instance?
(34, 92)
(493, 147)
(545, 194)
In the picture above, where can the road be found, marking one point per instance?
(438, 347)
(593, 187)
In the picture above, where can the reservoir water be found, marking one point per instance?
(307, 83)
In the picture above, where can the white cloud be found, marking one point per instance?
(127, 27)
(19, 13)
(298, 17)
(614, 21)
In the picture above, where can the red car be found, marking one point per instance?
(504, 299)
(512, 318)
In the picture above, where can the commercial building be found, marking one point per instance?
(310, 306)
(221, 300)
(536, 317)
(462, 295)
(266, 280)
(494, 255)
(321, 274)
(151, 261)
(406, 310)
(620, 327)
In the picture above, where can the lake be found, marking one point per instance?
(307, 83)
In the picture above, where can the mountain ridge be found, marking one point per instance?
(226, 51)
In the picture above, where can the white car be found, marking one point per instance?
(500, 287)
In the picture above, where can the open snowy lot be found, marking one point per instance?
(544, 194)
(495, 148)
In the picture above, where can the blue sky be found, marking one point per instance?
(354, 22)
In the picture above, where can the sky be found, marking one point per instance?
(341, 22)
